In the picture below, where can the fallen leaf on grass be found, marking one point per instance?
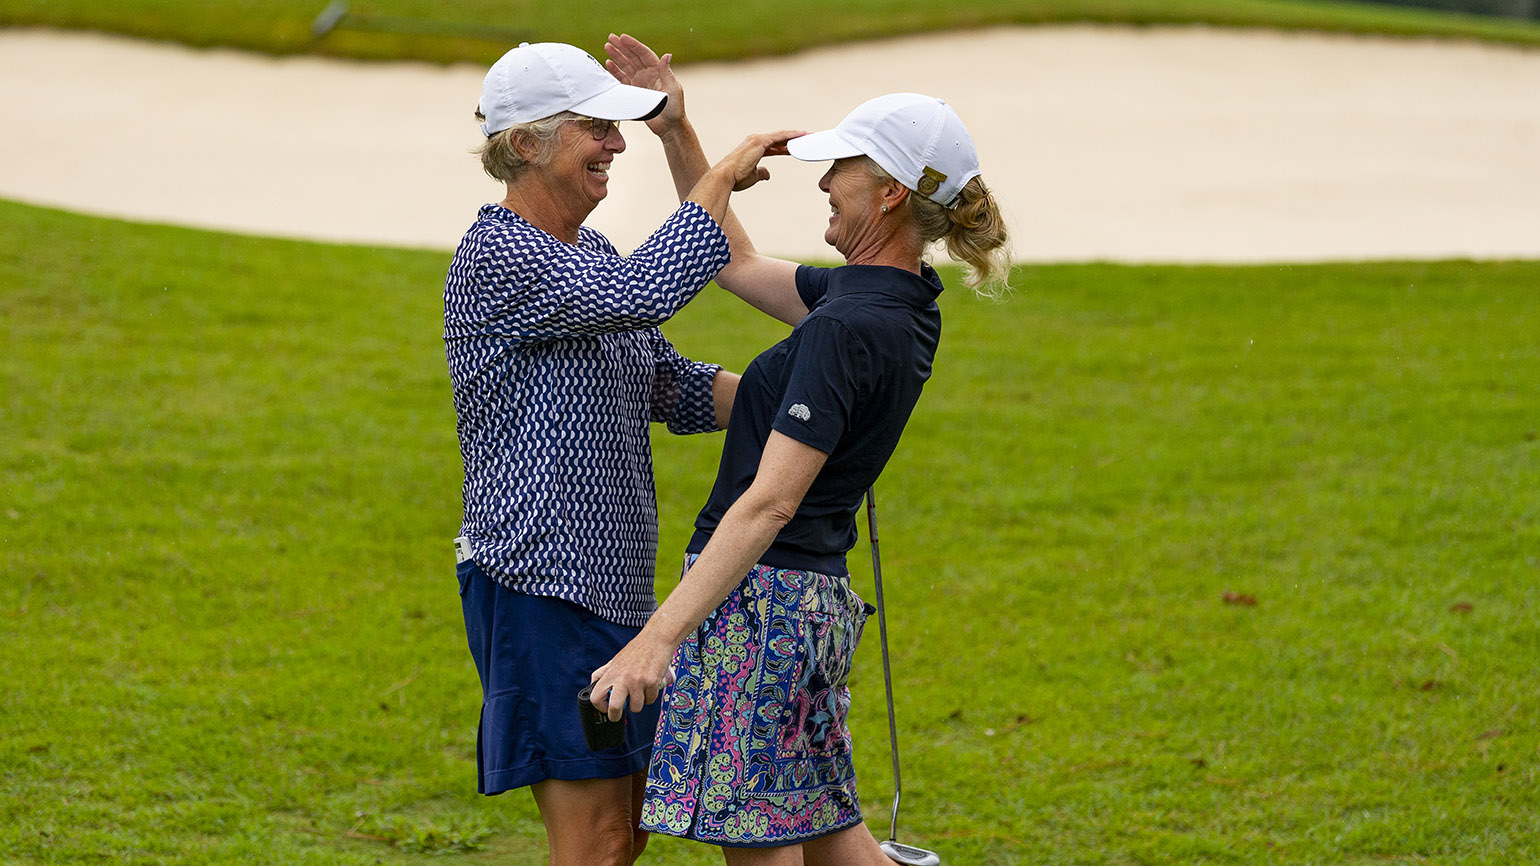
(1461, 607)
(1492, 734)
(1430, 685)
(1240, 598)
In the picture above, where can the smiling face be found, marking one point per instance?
(855, 202)
(581, 167)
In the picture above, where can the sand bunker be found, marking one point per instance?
(1187, 144)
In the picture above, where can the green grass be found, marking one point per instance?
(479, 31)
(231, 635)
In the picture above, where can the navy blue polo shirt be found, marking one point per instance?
(844, 382)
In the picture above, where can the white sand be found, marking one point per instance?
(1183, 144)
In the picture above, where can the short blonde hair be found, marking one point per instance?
(500, 156)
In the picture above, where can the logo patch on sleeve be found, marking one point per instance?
(799, 412)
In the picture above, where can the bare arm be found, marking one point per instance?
(738, 171)
(637, 674)
(766, 283)
(724, 390)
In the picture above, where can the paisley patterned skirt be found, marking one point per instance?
(753, 748)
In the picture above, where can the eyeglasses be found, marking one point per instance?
(600, 128)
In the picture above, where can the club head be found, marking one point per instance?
(898, 852)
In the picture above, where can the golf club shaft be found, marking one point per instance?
(337, 15)
(887, 671)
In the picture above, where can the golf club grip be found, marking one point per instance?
(887, 670)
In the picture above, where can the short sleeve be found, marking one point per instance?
(812, 284)
(824, 371)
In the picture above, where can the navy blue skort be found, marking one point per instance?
(534, 655)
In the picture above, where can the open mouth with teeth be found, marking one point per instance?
(600, 168)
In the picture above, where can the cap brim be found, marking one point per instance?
(622, 102)
(820, 146)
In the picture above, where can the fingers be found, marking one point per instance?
(614, 698)
(632, 47)
(770, 143)
(758, 174)
(776, 145)
(621, 75)
(743, 162)
(630, 55)
(609, 699)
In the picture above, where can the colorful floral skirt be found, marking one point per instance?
(753, 748)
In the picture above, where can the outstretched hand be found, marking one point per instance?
(738, 171)
(742, 164)
(633, 63)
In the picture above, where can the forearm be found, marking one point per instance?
(711, 192)
(724, 390)
(766, 284)
(686, 158)
(687, 164)
(745, 533)
(637, 673)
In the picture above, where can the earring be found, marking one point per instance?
(884, 208)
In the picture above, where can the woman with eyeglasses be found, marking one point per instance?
(558, 366)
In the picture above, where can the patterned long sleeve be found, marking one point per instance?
(514, 281)
(558, 367)
(681, 390)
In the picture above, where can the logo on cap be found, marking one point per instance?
(930, 181)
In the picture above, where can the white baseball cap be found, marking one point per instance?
(918, 139)
(546, 78)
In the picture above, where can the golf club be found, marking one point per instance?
(898, 852)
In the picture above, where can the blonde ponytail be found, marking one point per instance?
(974, 233)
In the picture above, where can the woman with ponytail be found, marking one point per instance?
(753, 752)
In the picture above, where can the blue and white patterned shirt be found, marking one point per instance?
(558, 365)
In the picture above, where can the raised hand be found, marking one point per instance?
(632, 62)
(742, 164)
